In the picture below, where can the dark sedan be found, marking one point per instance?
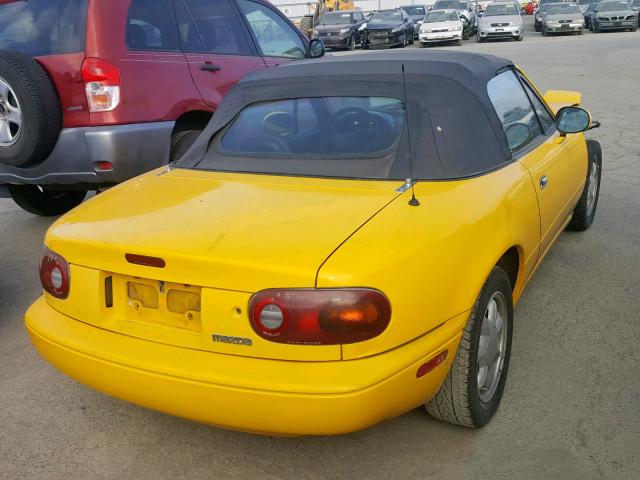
(388, 28)
(614, 15)
(340, 29)
(416, 14)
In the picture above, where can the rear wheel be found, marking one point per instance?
(181, 141)
(585, 210)
(472, 390)
(46, 203)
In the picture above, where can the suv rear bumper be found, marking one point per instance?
(132, 149)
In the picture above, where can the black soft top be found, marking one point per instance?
(454, 129)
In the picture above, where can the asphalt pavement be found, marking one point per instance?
(571, 409)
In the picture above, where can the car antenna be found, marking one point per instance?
(414, 201)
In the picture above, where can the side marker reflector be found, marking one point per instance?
(431, 364)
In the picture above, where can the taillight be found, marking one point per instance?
(319, 316)
(102, 84)
(54, 274)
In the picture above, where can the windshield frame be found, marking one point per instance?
(452, 13)
(617, 2)
(386, 16)
(493, 6)
(567, 9)
(323, 19)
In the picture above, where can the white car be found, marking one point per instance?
(441, 26)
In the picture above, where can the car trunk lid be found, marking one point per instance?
(221, 238)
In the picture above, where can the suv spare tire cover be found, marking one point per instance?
(30, 112)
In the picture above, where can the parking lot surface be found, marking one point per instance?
(571, 409)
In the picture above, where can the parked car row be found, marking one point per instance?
(457, 20)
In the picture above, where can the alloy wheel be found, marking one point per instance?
(10, 115)
(592, 189)
(492, 346)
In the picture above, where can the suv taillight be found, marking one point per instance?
(319, 316)
(54, 274)
(102, 84)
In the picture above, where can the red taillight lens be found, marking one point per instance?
(319, 316)
(54, 274)
(102, 84)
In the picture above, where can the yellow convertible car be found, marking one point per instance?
(344, 242)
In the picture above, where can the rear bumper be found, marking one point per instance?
(336, 41)
(500, 32)
(131, 149)
(294, 398)
(569, 28)
(440, 37)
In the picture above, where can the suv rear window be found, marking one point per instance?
(43, 27)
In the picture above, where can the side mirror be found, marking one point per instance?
(572, 120)
(316, 48)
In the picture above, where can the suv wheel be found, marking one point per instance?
(46, 203)
(181, 141)
(30, 112)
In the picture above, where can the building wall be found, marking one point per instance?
(298, 8)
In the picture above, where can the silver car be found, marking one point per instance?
(441, 26)
(500, 20)
(563, 18)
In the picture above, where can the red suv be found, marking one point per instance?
(94, 92)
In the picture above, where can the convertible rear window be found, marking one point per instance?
(43, 27)
(321, 126)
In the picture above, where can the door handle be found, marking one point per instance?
(210, 67)
(543, 182)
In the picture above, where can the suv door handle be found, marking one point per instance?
(210, 67)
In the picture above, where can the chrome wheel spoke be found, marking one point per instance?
(5, 132)
(491, 346)
(14, 118)
(10, 115)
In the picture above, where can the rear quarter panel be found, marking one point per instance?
(431, 261)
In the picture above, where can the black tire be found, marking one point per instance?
(421, 44)
(46, 203)
(352, 43)
(582, 215)
(39, 107)
(479, 39)
(458, 401)
(181, 142)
